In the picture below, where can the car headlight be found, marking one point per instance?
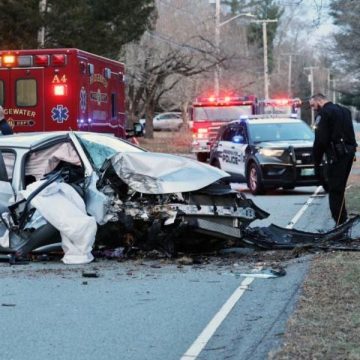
(271, 152)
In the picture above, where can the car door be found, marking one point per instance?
(6, 190)
(239, 145)
(226, 148)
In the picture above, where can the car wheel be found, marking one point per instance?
(254, 180)
(216, 163)
(202, 157)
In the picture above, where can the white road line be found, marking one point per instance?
(201, 341)
(296, 218)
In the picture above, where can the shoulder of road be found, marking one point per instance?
(326, 322)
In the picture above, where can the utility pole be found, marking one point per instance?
(333, 91)
(41, 33)
(266, 68)
(218, 25)
(290, 55)
(311, 80)
(328, 83)
(217, 47)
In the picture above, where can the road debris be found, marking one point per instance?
(345, 237)
(90, 274)
(266, 273)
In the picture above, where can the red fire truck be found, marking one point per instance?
(209, 114)
(62, 89)
(282, 106)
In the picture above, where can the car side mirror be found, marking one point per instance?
(238, 139)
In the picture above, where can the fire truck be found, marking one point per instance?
(62, 89)
(209, 114)
(280, 106)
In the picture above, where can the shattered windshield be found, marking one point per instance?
(101, 147)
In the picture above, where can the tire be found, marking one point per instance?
(202, 157)
(216, 163)
(254, 180)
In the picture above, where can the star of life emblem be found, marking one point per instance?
(60, 113)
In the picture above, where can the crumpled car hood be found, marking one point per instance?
(157, 173)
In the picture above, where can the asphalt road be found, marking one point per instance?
(153, 309)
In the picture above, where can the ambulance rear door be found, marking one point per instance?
(23, 98)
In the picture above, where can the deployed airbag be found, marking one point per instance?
(63, 208)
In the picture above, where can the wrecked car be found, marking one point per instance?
(80, 189)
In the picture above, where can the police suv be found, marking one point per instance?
(267, 151)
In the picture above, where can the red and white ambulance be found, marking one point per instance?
(62, 89)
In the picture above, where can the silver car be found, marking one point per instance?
(168, 121)
(137, 198)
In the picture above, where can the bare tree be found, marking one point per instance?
(165, 56)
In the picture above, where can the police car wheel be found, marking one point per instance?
(216, 163)
(254, 180)
(202, 157)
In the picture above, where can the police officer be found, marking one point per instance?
(4, 126)
(334, 137)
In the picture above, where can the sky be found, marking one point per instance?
(317, 14)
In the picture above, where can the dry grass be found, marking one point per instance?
(327, 320)
(169, 142)
(352, 195)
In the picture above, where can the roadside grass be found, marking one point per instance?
(352, 194)
(327, 320)
(326, 323)
(169, 142)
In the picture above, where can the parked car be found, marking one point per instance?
(168, 121)
(133, 196)
(267, 152)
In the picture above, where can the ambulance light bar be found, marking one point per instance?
(8, 60)
(11, 60)
(42, 60)
(223, 101)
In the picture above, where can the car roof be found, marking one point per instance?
(170, 113)
(29, 140)
(274, 121)
(268, 119)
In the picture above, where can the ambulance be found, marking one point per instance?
(62, 89)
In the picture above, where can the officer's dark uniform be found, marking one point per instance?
(335, 137)
(5, 128)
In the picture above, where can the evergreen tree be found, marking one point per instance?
(347, 40)
(267, 9)
(98, 26)
(19, 23)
